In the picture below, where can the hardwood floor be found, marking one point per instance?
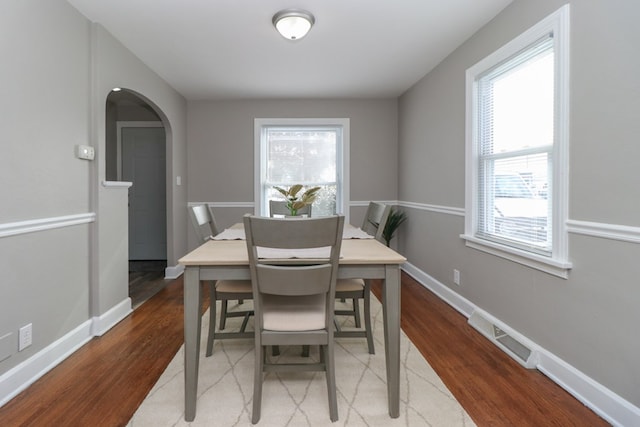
(146, 278)
(104, 382)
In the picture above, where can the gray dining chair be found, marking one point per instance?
(204, 223)
(356, 289)
(279, 208)
(375, 219)
(294, 298)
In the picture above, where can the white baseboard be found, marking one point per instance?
(173, 272)
(608, 405)
(101, 324)
(457, 301)
(601, 400)
(26, 373)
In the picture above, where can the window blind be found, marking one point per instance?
(515, 145)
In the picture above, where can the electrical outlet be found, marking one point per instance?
(25, 337)
(456, 277)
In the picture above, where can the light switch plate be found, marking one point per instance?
(25, 338)
(85, 152)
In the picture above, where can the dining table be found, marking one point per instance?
(224, 257)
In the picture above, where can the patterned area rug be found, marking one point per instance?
(225, 388)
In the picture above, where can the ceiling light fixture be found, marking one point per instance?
(293, 24)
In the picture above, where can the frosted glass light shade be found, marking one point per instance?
(293, 24)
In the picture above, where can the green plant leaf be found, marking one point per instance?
(293, 191)
(293, 202)
(395, 220)
(282, 191)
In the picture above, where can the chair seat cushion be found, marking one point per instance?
(303, 313)
(234, 286)
(349, 285)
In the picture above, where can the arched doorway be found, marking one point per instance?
(136, 152)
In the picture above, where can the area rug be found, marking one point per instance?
(225, 388)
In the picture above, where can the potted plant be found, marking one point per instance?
(295, 202)
(396, 218)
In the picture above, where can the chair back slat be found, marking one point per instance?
(294, 233)
(294, 281)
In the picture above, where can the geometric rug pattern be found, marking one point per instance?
(225, 387)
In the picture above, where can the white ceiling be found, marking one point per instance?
(226, 49)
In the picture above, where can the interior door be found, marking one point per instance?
(144, 164)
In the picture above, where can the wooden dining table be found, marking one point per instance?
(228, 259)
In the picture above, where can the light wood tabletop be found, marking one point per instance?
(228, 259)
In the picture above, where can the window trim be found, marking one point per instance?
(342, 168)
(558, 263)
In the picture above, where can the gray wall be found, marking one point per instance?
(44, 106)
(412, 150)
(118, 67)
(58, 69)
(221, 149)
(590, 320)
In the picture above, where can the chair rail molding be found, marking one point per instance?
(623, 233)
(618, 232)
(42, 224)
(449, 210)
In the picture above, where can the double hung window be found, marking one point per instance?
(517, 149)
(310, 152)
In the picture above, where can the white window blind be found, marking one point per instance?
(515, 138)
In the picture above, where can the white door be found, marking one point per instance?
(144, 164)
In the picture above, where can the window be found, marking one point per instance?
(311, 152)
(517, 144)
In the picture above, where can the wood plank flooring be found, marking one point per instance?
(146, 278)
(104, 382)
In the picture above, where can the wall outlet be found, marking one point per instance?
(25, 337)
(456, 277)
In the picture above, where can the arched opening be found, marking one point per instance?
(135, 151)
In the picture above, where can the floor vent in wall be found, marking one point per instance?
(512, 343)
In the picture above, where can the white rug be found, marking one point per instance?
(225, 388)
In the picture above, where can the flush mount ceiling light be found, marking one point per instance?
(293, 24)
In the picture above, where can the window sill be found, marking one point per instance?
(551, 266)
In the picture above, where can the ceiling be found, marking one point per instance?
(229, 49)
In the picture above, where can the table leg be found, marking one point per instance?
(391, 315)
(192, 320)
